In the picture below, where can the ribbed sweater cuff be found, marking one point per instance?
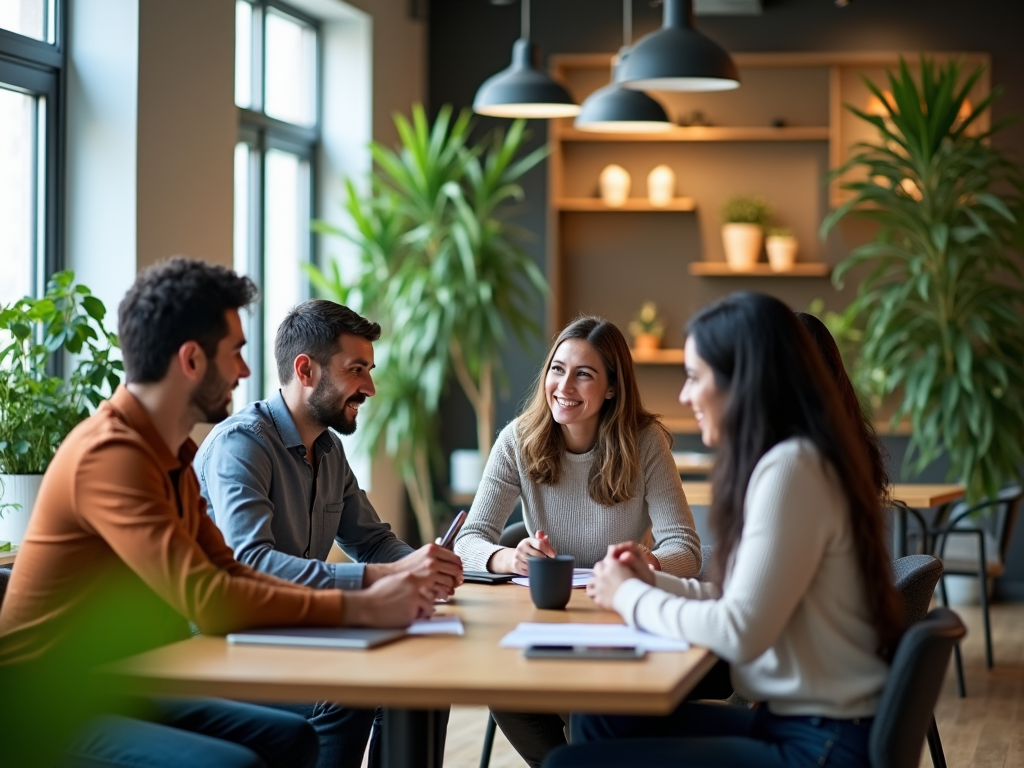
(627, 596)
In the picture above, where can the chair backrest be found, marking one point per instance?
(916, 577)
(512, 535)
(997, 517)
(5, 576)
(905, 710)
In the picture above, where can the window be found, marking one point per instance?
(31, 157)
(277, 95)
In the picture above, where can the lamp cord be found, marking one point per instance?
(627, 23)
(525, 22)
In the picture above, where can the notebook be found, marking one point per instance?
(317, 637)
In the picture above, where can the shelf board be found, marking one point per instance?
(658, 357)
(707, 133)
(722, 269)
(632, 204)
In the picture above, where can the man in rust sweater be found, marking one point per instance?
(120, 519)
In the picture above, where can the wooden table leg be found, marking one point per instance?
(413, 738)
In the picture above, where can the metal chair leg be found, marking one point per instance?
(935, 746)
(485, 754)
(958, 662)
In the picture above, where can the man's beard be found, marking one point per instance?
(211, 397)
(326, 411)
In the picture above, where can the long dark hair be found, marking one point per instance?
(617, 469)
(778, 387)
(829, 351)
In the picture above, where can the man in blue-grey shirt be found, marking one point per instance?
(278, 485)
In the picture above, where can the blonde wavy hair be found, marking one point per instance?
(614, 475)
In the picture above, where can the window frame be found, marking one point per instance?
(38, 68)
(261, 133)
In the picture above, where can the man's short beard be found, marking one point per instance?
(209, 396)
(324, 410)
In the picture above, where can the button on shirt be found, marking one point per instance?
(276, 513)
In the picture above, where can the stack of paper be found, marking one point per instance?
(527, 634)
(437, 625)
(580, 578)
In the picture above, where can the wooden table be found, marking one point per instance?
(7, 556)
(914, 495)
(421, 672)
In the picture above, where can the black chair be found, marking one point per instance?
(916, 577)
(510, 537)
(906, 708)
(974, 541)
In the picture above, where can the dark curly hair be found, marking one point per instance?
(173, 302)
(312, 328)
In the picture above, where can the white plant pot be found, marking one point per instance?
(661, 186)
(742, 245)
(781, 253)
(466, 470)
(615, 184)
(22, 490)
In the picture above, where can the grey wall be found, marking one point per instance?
(469, 40)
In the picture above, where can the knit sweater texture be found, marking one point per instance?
(576, 524)
(792, 618)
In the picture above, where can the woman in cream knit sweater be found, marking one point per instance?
(592, 468)
(801, 600)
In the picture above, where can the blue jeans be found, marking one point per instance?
(197, 733)
(342, 732)
(714, 736)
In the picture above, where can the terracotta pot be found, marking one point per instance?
(742, 245)
(646, 342)
(781, 252)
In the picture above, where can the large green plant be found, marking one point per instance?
(442, 270)
(37, 410)
(941, 313)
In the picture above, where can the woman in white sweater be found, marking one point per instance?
(592, 468)
(801, 601)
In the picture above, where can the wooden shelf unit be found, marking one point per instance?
(634, 204)
(710, 133)
(610, 265)
(658, 357)
(722, 269)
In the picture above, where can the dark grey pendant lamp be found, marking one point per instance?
(614, 109)
(522, 90)
(679, 58)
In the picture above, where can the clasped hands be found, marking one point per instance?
(623, 562)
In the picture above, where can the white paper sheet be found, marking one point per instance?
(527, 634)
(580, 578)
(437, 625)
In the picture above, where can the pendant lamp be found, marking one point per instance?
(679, 58)
(614, 109)
(522, 90)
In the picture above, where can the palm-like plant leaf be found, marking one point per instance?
(943, 308)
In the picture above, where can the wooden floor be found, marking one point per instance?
(985, 730)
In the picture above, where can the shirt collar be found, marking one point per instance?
(286, 428)
(137, 417)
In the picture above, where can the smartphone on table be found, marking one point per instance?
(585, 652)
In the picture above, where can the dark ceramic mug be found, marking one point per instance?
(551, 581)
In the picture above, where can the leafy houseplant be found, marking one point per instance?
(441, 270)
(37, 409)
(940, 314)
(744, 218)
(646, 328)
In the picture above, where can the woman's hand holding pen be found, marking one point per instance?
(517, 560)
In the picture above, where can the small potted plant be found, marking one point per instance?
(647, 329)
(37, 410)
(782, 249)
(744, 218)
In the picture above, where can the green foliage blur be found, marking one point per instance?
(37, 410)
(941, 314)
